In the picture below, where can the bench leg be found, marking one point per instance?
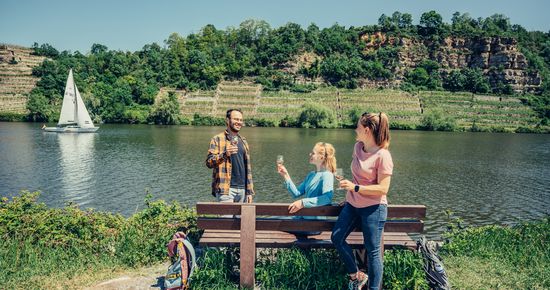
(248, 246)
(381, 257)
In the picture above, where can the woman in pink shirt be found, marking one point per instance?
(366, 202)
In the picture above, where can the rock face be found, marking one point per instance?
(16, 79)
(498, 58)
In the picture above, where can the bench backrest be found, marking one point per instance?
(270, 217)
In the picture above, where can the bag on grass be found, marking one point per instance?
(177, 276)
(433, 267)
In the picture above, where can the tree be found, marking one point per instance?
(455, 81)
(475, 82)
(44, 50)
(496, 24)
(432, 26)
(463, 24)
(386, 23)
(342, 71)
(166, 111)
(251, 32)
(98, 48)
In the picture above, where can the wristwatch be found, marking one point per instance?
(356, 189)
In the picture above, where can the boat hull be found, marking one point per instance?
(71, 129)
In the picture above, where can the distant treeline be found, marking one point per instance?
(121, 86)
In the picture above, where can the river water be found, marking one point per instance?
(483, 178)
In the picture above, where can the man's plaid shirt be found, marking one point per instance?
(221, 164)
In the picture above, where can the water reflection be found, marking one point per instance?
(76, 166)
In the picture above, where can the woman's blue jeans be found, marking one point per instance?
(372, 220)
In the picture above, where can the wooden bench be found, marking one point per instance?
(264, 226)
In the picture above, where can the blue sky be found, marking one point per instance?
(129, 25)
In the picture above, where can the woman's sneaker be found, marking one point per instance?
(359, 282)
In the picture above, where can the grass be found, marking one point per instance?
(51, 246)
(496, 257)
(288, 269)
(68, 248)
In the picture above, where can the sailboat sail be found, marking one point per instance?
(82, 116)
(68, 109)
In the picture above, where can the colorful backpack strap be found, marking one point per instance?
(184, 266)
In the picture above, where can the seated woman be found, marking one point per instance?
(317, 188)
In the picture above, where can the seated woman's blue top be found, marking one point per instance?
(317, 188)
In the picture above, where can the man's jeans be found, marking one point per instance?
(372, 221)
(234, 195)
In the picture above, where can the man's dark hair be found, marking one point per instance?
(228, 113)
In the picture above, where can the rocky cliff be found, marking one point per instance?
(498, 57)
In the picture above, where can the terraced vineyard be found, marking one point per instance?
(16, 80)
(484, 111)
(399, 105)
(402, 107)
(215, 102)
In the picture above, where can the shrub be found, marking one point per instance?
(402, 125)
(199, 120)
(303, 88)
(38, 241)
(288, 121)
(166, 111)
(12, 117)
(317, 116)
(435, 121)
(261, 122)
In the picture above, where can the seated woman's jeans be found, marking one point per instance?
(372, 220)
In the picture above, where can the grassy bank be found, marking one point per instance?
(495, 257)
(73, 248)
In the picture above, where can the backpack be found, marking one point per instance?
(435, 273)
(177, 276)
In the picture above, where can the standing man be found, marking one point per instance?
(229, 157)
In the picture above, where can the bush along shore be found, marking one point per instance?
(48, 248)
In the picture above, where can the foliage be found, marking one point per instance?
(119, 82)
(425, 76)
(298, 269)
(44, 50)
(12, 117)
(166, 111)
(316, 116)
(354, 114)
(403, 270)
(37, 241)
(261, 122)
(467, 79)
(199, 120)
(541, 105)
(522, 248)
(342, 71)
(437, 121)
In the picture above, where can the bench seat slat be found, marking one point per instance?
(275, 239)
(408, 226)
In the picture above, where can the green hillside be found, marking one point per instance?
(397, 66)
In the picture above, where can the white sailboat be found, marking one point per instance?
(74, 117)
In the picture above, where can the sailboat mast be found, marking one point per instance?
(75, 100)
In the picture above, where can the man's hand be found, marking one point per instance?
(249, 198)
(295, 206)
(231, 149)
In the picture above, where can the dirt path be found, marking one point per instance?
(138, 279)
